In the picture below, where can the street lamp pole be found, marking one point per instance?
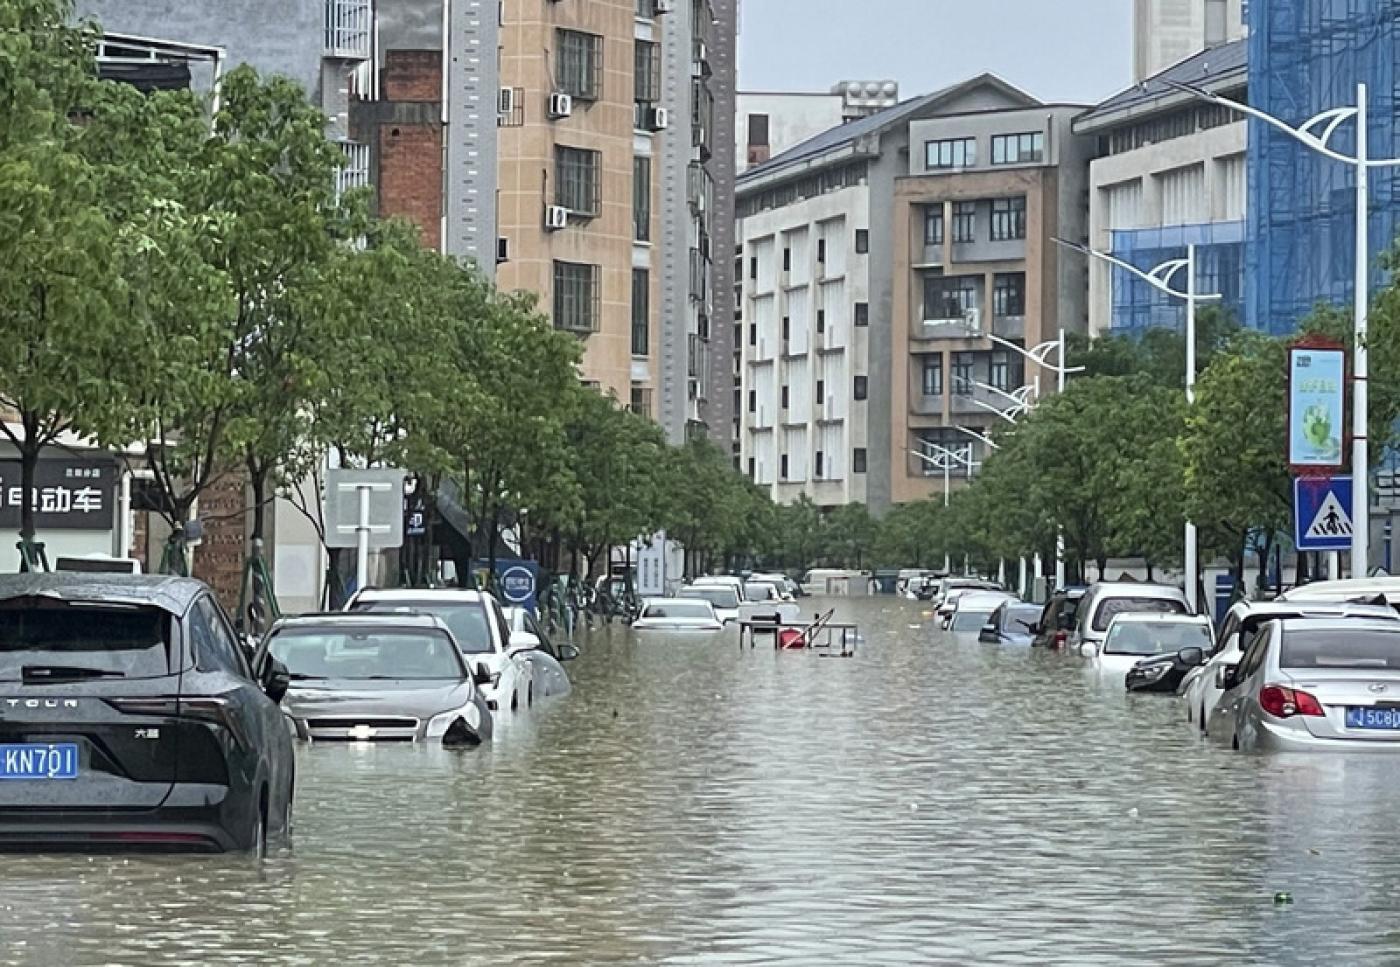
(944, 459)
(1309, 135)
(1160, 278)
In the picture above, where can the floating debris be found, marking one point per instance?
(1282, 898)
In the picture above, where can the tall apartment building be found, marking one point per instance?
(880, 257)
(585, 151)
(1170, 173)
(1166, 32)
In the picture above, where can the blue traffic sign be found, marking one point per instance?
(1322, 513)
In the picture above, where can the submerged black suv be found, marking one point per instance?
(130, 717)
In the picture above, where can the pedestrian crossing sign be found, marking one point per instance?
(1322, 513)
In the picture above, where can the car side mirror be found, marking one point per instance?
(481, 676)
(1088, 649)
(568, 652)
(249, 644)
(1225, 677)
(276, 680)
(1191, 657)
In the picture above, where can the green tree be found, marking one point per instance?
(850, 536)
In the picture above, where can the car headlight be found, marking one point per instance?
(1152, 672)
(439, 724)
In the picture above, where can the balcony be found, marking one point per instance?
(1009, 327)
(698, 358)
(355, 173)
(348, 28)
(978, 400)
(966, 326)
(921, 404)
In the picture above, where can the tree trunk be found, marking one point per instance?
(28, 472)
(257, 480)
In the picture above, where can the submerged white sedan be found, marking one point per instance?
(689, 615)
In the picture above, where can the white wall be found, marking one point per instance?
(792, 119)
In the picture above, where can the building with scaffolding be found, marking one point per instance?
(1307, 57)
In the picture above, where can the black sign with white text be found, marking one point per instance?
(70, 493)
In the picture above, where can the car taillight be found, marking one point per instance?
(212, 709)
(1060, 638)
(1283, 703)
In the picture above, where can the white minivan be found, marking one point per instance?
(1107, 599)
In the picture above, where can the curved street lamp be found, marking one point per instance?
(1316, 134)
(1160, 278)
(944, 458)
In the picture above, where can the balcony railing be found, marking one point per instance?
(355, 174)
(348, 27)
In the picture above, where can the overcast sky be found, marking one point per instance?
(808, 45)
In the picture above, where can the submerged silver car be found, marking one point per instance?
(377, 677)
(1314, 683)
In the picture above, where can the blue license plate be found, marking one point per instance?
(32, 761)
(1361, 717)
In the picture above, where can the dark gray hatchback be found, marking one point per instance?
(131, 718)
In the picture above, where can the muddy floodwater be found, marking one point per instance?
(932, 800)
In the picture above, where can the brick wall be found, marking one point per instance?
(412, 75)
(410, 176)
(218, 560)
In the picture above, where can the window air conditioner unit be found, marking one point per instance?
(560, 106)
(556, 217)
(506, 102)
(502, 249)
(658, 119)
(972, 318)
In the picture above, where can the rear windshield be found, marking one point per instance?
(71, 641)
(1154, 637)
(368, 654)
(465, 619)
(1340, 649)
(760, 592)
(679, 610)
(719, 597)
(1113, 606)
(1020, 618)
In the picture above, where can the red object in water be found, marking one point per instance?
(790, 639)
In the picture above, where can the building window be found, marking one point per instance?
(646, 77)
(954, 153)
(641, 401)
(949, 297)
(821, 392)
(963, 370)
(753, 401)
(576, 296)
(787, 260)
(965, 221)
(821, 251)
(641, 312)
(641, 198)
(1008, 218)
(933, 375)
(578, 68)
(861, 389)
(785, 397)
(862, 313)
(753, 334)
(933, 225)
(783, 466)
(862, 241)
(1018, 149)
(858, 460)
(758, 131)
(787, 328)
(578, 180)
(646, 9)
(1009, 294)
(821, 320)
(753, 268)
(1001, 370)
(817, 464)
(751, 468)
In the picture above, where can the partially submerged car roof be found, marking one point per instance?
(168, 593)
(405, 618)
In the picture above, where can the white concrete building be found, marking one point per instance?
(805, 358)
(1166, 32)
(1171, 172)
(767, 123)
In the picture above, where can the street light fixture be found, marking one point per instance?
(943, 458)
(1160, 278)
(1309, 135)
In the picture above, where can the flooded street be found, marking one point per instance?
(931, 801)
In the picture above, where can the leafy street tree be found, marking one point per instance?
(58, 279)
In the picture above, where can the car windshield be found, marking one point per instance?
(679, 609)
(970, 620)
(366, 654)
(1116, 606)
(1340, 648)
(719, 597)
(106, 642)
(1020, 618)
(759, 592)
(465, 619)
(1154, 637)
